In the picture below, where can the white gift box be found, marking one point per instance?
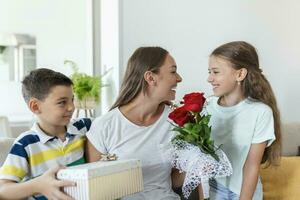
(103, 179)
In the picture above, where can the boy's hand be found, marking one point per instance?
(50, 187)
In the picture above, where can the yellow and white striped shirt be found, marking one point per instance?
(34, 152)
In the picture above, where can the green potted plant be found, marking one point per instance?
(87, 89)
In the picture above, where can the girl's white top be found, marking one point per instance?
(235, 129)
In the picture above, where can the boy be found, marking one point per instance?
(36, 155)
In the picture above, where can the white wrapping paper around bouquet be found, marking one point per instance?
(197, 165)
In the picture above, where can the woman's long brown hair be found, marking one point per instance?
(142, 60)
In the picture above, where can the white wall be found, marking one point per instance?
(191, 29)
(110, 52)
(63, 30)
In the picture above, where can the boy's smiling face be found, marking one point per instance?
(55, 110)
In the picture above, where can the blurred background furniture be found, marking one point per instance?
(17, 56)
(283, 182)
(5, 130)
(5, 146)
(290, 138)
(13, 106)
(15, 125)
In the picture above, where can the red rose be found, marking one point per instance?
(193, 107)
(194, 101)
(180, 116)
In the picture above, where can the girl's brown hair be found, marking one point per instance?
(142, 60)
(243, 55)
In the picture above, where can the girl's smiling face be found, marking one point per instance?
(223, 77)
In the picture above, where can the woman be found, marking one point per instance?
(137, 125)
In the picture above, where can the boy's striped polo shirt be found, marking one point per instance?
(34, 152)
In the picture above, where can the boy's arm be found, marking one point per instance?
(46, 184)
(8, 190)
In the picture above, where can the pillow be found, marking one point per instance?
(282, 182)
(5, 146)
(290, 138)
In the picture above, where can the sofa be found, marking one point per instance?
(5, 145)
(283, 182)
(279, 183)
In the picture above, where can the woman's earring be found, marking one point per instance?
(239, 82)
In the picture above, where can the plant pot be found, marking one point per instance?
(87, 103)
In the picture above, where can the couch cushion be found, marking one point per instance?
(290, 138)
(282, 182)
(5, 145)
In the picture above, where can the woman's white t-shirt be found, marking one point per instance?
(113, 133)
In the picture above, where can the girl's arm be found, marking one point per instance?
(251, 170)
(91, 153)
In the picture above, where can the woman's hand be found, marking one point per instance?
(177, 178)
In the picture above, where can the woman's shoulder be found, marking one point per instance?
(107, 117)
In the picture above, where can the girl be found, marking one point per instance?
(137, 126)
(245, 119)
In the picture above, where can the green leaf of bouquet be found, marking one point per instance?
(207, 132)
(215, 156)
(196, 128)
(189, 131)
(210, 142)
(184, 132)
(177, 129)
(178, 137)
(196, 135)
(189, 138)
(188, 126)
(205, 119)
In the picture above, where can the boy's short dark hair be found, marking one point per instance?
(39, 82)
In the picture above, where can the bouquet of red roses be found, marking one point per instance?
(192, 149)
(193, 124)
